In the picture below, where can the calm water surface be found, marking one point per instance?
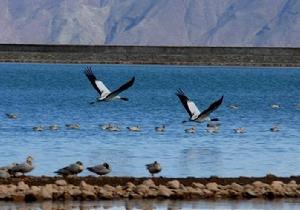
(44, 94)
(159, 205)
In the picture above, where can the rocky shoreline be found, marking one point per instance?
(109, 188)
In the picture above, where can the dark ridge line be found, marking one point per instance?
(170, 55)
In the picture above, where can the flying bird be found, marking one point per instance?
(104, 93)
(192, 109)
(101, 169)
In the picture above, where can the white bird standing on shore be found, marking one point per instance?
(101, 169)
(104, 92)
(193, 111)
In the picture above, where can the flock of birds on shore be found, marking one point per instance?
(105, 95)
(20, 169)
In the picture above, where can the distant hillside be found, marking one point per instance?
(152, 22)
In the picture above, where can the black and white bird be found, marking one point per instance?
(192, 109)
(104, 93)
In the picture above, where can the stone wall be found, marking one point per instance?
(62, 190)
(233, 56)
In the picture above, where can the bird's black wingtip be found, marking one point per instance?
(179, 92)
(221, 99)
(88, 70)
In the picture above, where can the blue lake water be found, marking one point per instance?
(43, 94)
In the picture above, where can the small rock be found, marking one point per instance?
(61, 182)
(222, 194)
(277, 185)
(84, 186)
(135, 196)
(4, 174)
(22, 186)
(236, 187)
(4, 191)
(207, 193)
(142, 189)
(258, 184)
(195, 192)
(212, 186)
(108, 188)
(11, 188)
(249, 194)
(164, 191)
(119, 191)
(175, 184)
(104, 194)
(149, 183)
(46, 192)
(88, 195)
(75, 192)
(18, 197)
(129, 186)
(198, 185)
(35, 192)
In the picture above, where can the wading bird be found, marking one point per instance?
(193, 111)
(104, 92)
